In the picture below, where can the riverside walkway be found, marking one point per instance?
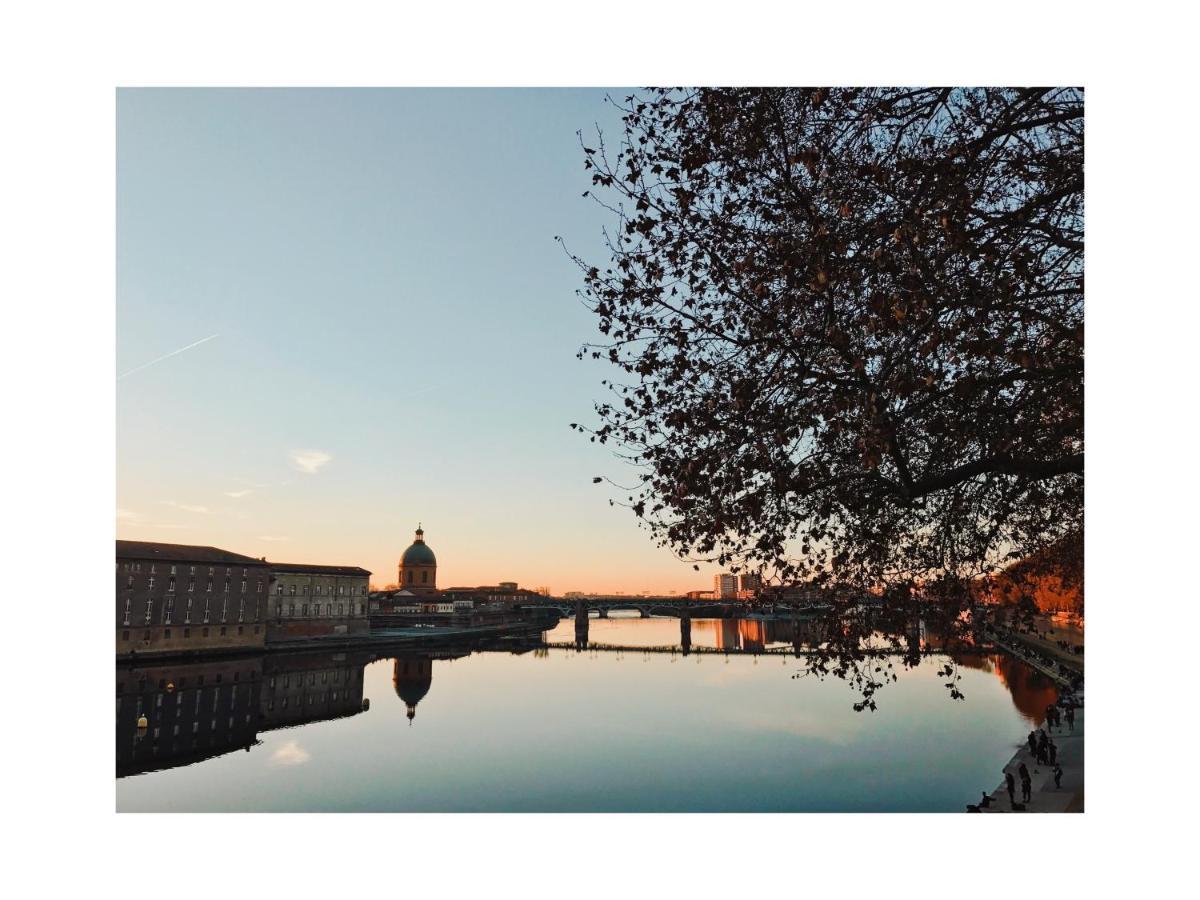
(1045, 797)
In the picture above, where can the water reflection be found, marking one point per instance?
(558, 729)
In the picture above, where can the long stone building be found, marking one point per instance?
(182, 598)
(309, 601)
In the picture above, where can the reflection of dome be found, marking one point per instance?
(411, 677)
(418, 554)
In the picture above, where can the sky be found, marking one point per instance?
(341, 313)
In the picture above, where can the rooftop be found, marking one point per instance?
(306, 569)
(152, 550)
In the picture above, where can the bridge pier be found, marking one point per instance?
(685, 633)
(604, 612)
(644, 613)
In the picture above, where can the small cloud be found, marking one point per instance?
(238, 495)
(290, 754)
(187, 507)
(271, 537)
(127, 514)
(310, 461)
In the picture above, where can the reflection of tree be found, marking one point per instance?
(1031, 691)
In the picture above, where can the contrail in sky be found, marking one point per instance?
(167, 356)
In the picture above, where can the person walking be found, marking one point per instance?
(1057, 777)
(1011, 784)
(1053, 753)
(1026, 783)
(1071, 718)
(1032, 742)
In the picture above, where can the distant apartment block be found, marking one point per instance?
(725, 586)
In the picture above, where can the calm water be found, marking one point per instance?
(560, 730)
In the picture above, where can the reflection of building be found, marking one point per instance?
(411, 677)
(308, 687)
(197, 710)
(179, 598)
(418, 567)
(193, 711)
(314, 601)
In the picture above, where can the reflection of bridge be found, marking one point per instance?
(673, 649)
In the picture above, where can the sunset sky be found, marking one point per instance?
(380, 329)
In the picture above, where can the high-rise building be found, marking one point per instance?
(750, 583)
(725, 586)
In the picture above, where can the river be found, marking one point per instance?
(558, 729)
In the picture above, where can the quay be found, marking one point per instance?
(1045, 797)
(376, 641)
(1066, 671)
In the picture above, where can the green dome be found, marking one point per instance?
(418, 554)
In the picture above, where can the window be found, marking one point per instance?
(340, 607)
(172, 570)
(258, 586)
(151, 582)
(152, 570)
(171, 586)
(256, 610)
(292, 591)
(125, 634)
(149, 610)
(222, 635)
(210, 585)
(207, 601)
(292, 609)
(410, 575)
(129, 581)
(279, 590)
(243, 585)
(424, 576)
(125, 621)
(187, 614)
(225, 608)
(166, 636)
(191, 570)
(191, 585)
(304, 610)
(341, 590)
(169, 610)
(241, 609)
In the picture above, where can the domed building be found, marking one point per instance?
(418, 567)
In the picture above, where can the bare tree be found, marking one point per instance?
(849, 328)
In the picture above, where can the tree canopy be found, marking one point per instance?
(848, 325)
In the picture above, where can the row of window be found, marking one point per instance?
(168, 610)
(258, 585)
(187, 633)
(137, 567)
(362, 590)
(290, 610)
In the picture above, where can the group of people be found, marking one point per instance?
(1045, 753)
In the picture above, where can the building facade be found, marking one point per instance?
(308, 601)
(181, 598)
(725, 586)
(417, 572)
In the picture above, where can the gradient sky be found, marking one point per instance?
(395, 333)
